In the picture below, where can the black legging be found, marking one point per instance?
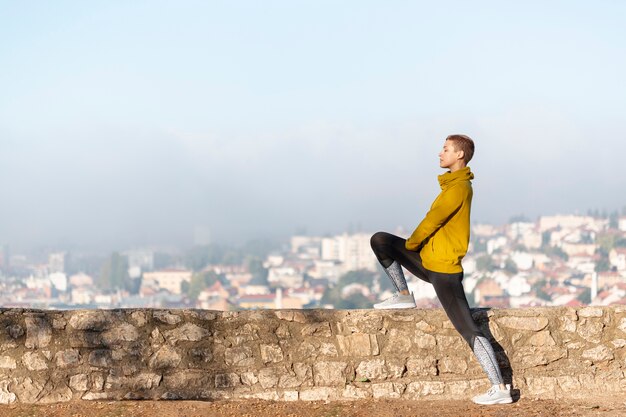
(448, 287)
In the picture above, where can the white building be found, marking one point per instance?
(57, 262)
(306, 246)
(567, 222)
(523, 260)
(285, 276)
(353, 251)
(518, 285)
(168, 279)
(59, 281)
(140, 258)
(617, 258)
(496, 243)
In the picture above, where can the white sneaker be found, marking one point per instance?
(495, 395)
(397, 301)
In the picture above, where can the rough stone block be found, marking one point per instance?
(568, 383)
(397, 342)
(541, 385)
(457, 388)
(228, 380)
(124, 332)
(58, 395)
(424, 326)
(239, 356)
(329, 373)
(7, 362)
(291, 315)
(33, 361)
(101, 358)
(271, 353)
(79, 382)
(166, 357)
(598, 354)
(356, 393)
(388, 390)
(622, 325)
(328, 349)
(424, 340)
(523, 323)
(590, 312)
(450, 342)
(139, 318)
(248, 378)
(166, 317)
(186, 332)
(15, 331)
(358, 344)
(38, 332)
(95, 320)
(372, 369)
(290, 396)
(282, 331)
(317, 394)
(529, 357)
(367, 322)
(143, 381)
(67, 358)
(618, 343)
(27, 390)
(421, 366)
(95, 396)
(190, 380)
(268, 377)
(452, 364)
(419, 389)
(6, 397)
(542, 338)
(591, 330)
(317, 329)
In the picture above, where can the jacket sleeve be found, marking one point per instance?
(445, 206)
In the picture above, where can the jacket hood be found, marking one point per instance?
(449, 178)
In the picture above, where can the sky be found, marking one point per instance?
(134, 123)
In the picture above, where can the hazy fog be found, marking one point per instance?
(127, 124)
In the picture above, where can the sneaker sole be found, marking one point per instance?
(500, 401)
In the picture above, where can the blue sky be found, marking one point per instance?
(133, 122)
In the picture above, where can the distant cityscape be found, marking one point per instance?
(560, 260)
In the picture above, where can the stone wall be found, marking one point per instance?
(53, 356)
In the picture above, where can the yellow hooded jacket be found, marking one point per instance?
(443, 236)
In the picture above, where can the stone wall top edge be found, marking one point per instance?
(327, 312)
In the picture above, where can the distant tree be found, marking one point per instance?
(164, 260)
(606, 242)
(585, 296)
(199, 281)
(520, 218)
(603, 265)
(554, 251)
(538, 288)
(485, 263)
(114, 273)
(614, 220)
(360, 276)
(259, 273)
(479, 245)
(510, 266)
